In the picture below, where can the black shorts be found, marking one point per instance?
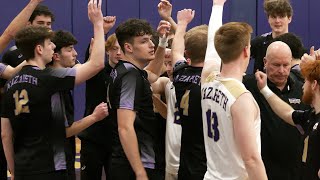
(56, 175)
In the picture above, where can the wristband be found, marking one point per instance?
(266, 92)
(163, 42)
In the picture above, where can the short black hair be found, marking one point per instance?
(131, 28)
(31, 36)
(62, 39)
(41, 10)
(294, 42)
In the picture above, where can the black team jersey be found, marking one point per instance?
(307, 123)
(258, 49)
(96, 92)
(130, 89)
(193, 162)
(38, 139)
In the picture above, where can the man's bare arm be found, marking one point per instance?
(17, 23)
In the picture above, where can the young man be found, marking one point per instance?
(279, 14)
(281, 144)
(65, 56)
(41, 16)
(164, 86)
(131, 106)
(186, 80)
(96, 141)
(17, 23)
(38, 148)
(231, 117)
(307, 122)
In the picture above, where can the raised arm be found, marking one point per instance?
(212, 59)
(154, 68)
(184, 17)
(245, 135)
(281, 108)
(96, 63)
(165, 10)
(18, 23)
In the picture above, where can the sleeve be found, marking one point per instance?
(60, 79)
(2, 68)
(301, 120)
(130, 88)
(214, 24)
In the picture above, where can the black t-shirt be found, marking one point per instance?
(38, 138)
(308, 124)
(96, 92)
(186, 80)
(258, 49)
(130, 89)
(281, 143)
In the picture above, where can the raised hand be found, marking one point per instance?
(261, 79)
(219, 2)
(165, 9)
(185, 16)
(101, 111)
(94, 12)
(163, 28)
(108, 23)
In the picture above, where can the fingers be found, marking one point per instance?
(312, 51)
(109, 19)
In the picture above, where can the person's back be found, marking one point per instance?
(223, 156)
(231, 116)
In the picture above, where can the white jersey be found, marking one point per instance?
(223, 157)
(173, 132)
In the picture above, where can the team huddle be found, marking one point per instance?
(166, 105)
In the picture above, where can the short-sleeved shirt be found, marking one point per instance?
(307, 123)
(38, 139)
(130, 89)
(186, 80)
(258, 49)
(281, 143)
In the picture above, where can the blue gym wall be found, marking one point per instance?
(71, 15)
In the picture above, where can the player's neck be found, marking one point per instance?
(37, 62)
(232, 70)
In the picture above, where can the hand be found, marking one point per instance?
(94, 12)
(185, 16)
(163, 28)
(101, 111)
(165, 9)
(261, 79)
(319, 173)
(219, 2)
(108, 23)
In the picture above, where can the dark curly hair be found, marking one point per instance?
(31, 36)
(131, 28)
(41, 10)
(280, 8)
(63, 39)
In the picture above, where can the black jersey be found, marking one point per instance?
(130, 89)
(38, 139)
(308, 124)
(258, 49)
(96, 92)
(189, 113)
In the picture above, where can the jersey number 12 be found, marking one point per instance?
(21, 99)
